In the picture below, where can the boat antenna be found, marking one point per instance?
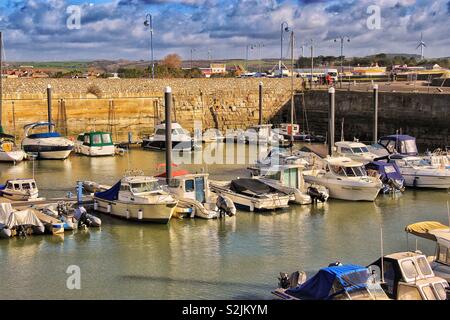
(382, 255)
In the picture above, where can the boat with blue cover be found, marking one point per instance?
(136, 197)
(46, 145)
(389, 174)
(335, 282)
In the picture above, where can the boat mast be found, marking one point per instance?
(292, 89)
(1, 81)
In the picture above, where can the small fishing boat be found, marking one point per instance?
(8, 149)
(389, 174)
(46, 145)
(418, 172)
(73, 218)
(408, 276)
(251, 194)
(335, 282)
(276, 156)
(181, 139)
(286, 129)
(95, 144)
(355, 150)
(193, 192)
(52, 225)
(18, 222)
(344, 178)
(440, 234)
(136, 197)
(289, 179)
(19, 190)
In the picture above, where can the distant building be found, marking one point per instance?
(218, 68)
(206, 72)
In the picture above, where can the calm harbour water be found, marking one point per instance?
(236, 258)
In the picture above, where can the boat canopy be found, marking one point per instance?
(254, 186)
(403, 143)
(111, 194)
(323, 285)
(386, 170)
(431, 230)
(97, 139)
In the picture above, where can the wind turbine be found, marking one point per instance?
(421, 45)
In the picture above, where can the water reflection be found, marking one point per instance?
(238, 257)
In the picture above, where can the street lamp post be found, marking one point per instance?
(284, 28)
(149, 23)
(342, 40)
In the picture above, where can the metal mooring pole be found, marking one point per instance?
(168, 109)
(331, 114)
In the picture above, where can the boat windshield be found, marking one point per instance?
(349, 171)
(408, 146)
(440, 290)
(360, 150)
(150, 186)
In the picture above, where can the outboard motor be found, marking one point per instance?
(5, 232)
(225, 206)
(316, 195)
(395, 185)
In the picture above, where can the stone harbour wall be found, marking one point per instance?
(136, 105)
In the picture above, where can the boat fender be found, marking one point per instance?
(140, 214)
(128, 214)
(108, 208)
(95, 205)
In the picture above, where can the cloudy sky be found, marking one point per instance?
(113, 29)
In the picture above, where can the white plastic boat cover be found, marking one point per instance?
(11, 218)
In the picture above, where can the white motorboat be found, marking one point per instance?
(419, 173)
(262, 134)
(439, 233)
(8, 149)
(181, 139)
(19, 190)
(95, 144)
(212, 135)
(276, 156)
(355, 150)
(138, 198)
(408, 276)
(344, 178)
(251, 194)
(193, 192)
(46, 145)
(289, 179)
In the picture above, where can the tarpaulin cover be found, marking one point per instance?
(386, 170)
(423, 229)
(111, 194)
(11, 218)
(253, 185)
(319, 286)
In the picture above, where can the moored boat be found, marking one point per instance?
(181, 139)
(9, 152)
(95, 144)
(251, 194)
(19, 190)
(138, 198)
(344, 178)
(46, 145)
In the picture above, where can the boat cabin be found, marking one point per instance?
(288, 175)
(95, 139)
(344, 167)
(190, 185)
(402, 144)
(177, 131)
(355, 150)
(408, 276)
(439, 233)
(19, 189)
